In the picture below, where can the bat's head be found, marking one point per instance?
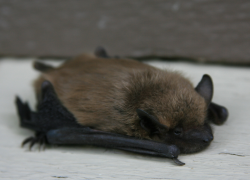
(180, 116)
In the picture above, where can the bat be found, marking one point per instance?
(121, 103)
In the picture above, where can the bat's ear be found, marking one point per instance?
(205, 88)
(150, 123)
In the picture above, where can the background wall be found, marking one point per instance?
(205, 30)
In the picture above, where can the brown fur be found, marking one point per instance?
(105, 93)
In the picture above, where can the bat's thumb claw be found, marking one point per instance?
(178, 162)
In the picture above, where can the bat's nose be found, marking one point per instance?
(208, 139)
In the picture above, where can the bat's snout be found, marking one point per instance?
(208, 139)
(206, 134)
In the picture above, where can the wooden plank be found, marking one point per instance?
(228, 157)
(205, 30)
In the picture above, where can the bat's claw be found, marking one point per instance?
(39, 139)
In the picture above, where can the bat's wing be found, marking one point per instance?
(101, 52)
(51, 114)
(88, 136)
(54, 124)
(217, 114)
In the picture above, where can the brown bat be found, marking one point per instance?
(123, 104)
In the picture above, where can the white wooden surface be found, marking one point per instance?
(228, 156)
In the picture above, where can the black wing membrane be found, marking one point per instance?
(54, 124)
(217, 113)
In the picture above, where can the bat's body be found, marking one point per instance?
(125, 97)
(105, 93)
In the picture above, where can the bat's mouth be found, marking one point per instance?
(193, 147)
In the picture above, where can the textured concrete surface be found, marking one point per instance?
(206, 30)
(228, 156)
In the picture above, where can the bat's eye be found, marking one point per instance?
(177, 131)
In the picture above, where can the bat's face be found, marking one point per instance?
(190, 140)
(181, 121)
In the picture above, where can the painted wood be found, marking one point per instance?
(228, 156)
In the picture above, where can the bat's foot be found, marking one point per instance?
(40, 139)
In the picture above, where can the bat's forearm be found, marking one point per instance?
(88, 136)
